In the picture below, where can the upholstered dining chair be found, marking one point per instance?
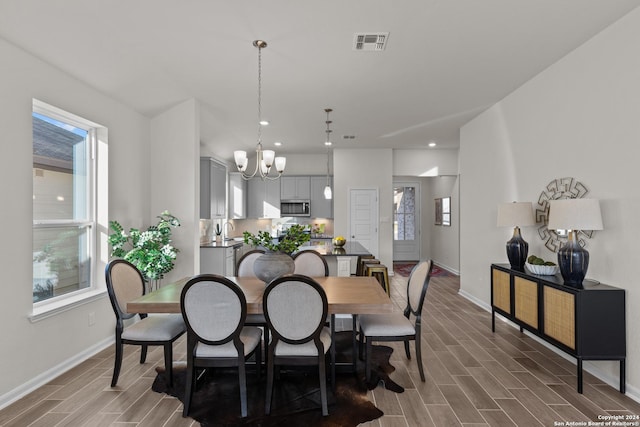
(398, 326)
(310, 263)
(244, 268)
(296, 307)
(125, 283)
(214, 310)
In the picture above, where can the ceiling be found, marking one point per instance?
(445, 61)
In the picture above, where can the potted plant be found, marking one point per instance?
(277, 259)
(150, 251)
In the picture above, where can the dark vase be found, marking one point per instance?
(273, 264)
(573, 261)
(517, 250)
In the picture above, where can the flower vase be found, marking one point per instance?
(273, 264)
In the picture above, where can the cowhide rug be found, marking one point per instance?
(296, 400)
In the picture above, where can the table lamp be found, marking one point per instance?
(514, 215)
(574, 215)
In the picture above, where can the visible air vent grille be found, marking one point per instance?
(39, 173)
(348, 137)
(370, 41)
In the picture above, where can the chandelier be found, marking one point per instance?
(327, 189)
(265, 159)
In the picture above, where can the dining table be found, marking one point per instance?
(352, 295)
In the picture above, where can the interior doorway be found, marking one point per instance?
(406, 221)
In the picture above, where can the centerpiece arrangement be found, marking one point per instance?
(150, 251)
(277, 259)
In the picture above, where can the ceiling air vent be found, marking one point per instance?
(370, 41)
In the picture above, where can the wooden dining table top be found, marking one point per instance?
(345, 295)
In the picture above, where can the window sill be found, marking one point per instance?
(52, 309)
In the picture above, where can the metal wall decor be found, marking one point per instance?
(559, 188)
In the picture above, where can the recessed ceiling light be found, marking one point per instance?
(432, 144)
(264, 122)
(327, 143)
(277, 143)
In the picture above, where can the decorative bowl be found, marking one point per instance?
(543, 270)
(339, 241)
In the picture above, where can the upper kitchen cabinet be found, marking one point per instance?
(263, 198)
(237, 196)
(295, 188)
(213, 189)
(320, 207)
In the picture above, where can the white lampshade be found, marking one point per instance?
(264, 168)
(575, 214)
(267, 156)
(328, 193)
(515, 214)
(281, 162)
(240, 158)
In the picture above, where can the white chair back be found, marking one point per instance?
(417, 285)
(245, 264)
(310, 263)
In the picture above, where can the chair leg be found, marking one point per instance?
(406, 349)
(323, 384)
(361, 345)
(117, 363)
(143, 353)
(333, 352)
(242, 378)
(168, 363)
(188, 388)
(259, 360)
(419, 357)
(355, 341)
(270, 369)
(367, 357)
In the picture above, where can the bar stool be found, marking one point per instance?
(380, 272)
(359, 264)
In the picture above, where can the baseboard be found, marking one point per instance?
(446, 267)
(614, 381)
(45, 377)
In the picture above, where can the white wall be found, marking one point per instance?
(359, 168)
(31, 351)
(444, 241)
(578, 118)
(425, 162)
(175, 180)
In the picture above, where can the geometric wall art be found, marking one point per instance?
(560, 188)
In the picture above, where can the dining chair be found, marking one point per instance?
(310, 263)
(296, 307)
(125, 283)
(244, 268)
(214, 310)
(398, 326)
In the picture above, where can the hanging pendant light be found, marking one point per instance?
(328, 194)
(265, 159)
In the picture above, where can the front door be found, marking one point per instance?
(406, 221)
(363, 218)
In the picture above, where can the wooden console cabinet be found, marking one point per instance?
(587, 322)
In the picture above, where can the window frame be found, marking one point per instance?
(64, 302)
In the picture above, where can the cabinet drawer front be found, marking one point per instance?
(501, 291)
(559, 316)
(526, 301)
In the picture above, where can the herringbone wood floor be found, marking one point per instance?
(474, 378)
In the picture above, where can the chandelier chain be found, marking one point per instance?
(259, 94)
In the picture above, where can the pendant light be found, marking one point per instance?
(328, 194)
(265, 159)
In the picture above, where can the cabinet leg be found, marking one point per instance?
(493, 321)
(580, 375)
(623, 380)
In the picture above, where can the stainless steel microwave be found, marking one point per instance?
(295, 208)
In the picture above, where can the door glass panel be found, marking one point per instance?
(404, 213)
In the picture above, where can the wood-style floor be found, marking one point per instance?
(474, 378)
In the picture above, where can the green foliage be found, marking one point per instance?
(289, 244)
(151, 250)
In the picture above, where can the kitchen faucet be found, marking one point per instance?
(224, 228)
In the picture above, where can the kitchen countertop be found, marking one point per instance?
(223, 244)
(327, 248)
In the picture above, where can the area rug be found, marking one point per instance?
(296, 400)
(404, 269)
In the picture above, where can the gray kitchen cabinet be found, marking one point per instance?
(213, 189)
(263, 198)
(219, 260)
(320, 207)
(295, 188)
(237, 196)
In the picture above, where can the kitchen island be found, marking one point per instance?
(342, 260)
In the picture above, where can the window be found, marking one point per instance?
(64, 218)
(443, 211)
(404, 213)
